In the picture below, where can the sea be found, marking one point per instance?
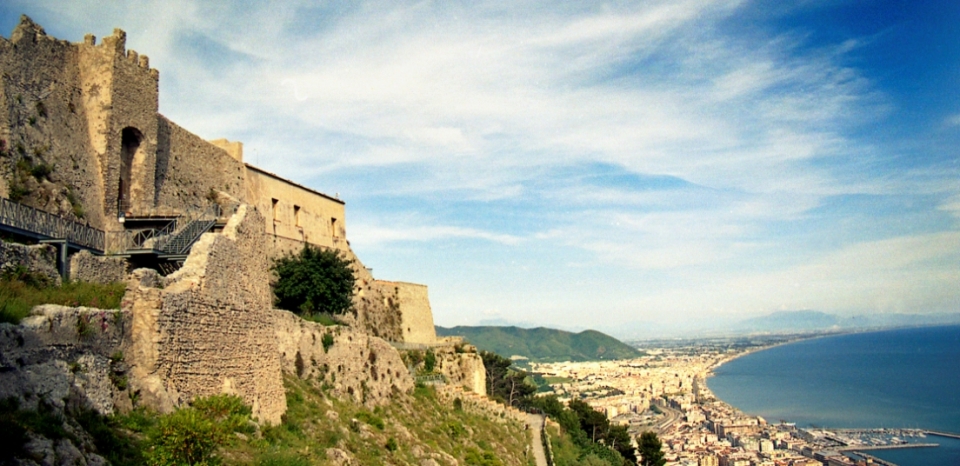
(908, 378)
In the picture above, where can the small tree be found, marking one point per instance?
(651, 453)
(314, 281)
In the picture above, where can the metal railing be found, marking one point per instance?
(175, 237)
(41, 223)
(187, 230)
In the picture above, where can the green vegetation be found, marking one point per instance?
(314, 281)
(387, 435)
(504, 383)
(20, 291)
(544, 344)
(650, 448)
(429, 361)
(218, 430)
(587, 437)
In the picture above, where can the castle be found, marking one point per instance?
(85, 146)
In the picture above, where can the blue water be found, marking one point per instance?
(893, 378)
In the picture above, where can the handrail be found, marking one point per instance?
(206, 219)
(52, 226)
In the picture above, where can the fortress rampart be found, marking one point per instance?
(83, 139)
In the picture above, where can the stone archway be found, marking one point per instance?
(131, 166)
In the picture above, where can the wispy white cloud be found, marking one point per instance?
(374, 235)
(486, 103)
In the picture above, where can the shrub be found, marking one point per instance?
(371, 419)
(327, 341)
(184, 437)
(314, 281)
(392, 444)
(41, 171)
(192, 435)
(429, 361)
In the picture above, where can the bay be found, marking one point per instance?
(893, 378)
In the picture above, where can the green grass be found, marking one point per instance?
(320, 318)
(17, 298)
(389, 434)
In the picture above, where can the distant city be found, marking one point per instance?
(665, 391)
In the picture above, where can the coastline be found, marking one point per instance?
(901, 438)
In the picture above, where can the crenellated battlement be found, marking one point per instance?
(116, 44)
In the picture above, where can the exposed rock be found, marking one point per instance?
(39, 261)
(355, 365)
(340, 457)
(60, 355)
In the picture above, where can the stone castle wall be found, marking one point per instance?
(89, 112)
(44, 115)
(294, 214)
(189, 169)
(462, 368)
(86, 267)
(416, 318)
(39, 260)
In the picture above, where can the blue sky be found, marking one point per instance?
(606, 165)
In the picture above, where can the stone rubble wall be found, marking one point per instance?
(207, 328)
(39, 260)
(355, 365)
(61, 355)
(462, 368)
(86, 267)
(481, 405)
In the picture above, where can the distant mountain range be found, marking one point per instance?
(781, 322)
(544, 344)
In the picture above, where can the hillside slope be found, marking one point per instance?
(544, 344)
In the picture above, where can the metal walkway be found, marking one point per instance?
(168, 246)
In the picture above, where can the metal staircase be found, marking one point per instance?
(182, 239)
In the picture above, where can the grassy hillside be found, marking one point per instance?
(544, 344)
(316, 430)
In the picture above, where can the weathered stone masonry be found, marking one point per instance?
(209, 329)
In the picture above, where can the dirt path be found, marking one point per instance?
(535, 421)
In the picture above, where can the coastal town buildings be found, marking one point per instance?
(665, 392)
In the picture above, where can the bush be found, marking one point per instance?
(314, 281)
(193, 435)
(184, 437)
(371, 419)
(429, 361)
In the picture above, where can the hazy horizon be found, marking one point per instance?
(672, 162)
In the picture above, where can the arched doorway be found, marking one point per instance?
(131, 157)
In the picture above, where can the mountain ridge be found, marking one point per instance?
(542, 344)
